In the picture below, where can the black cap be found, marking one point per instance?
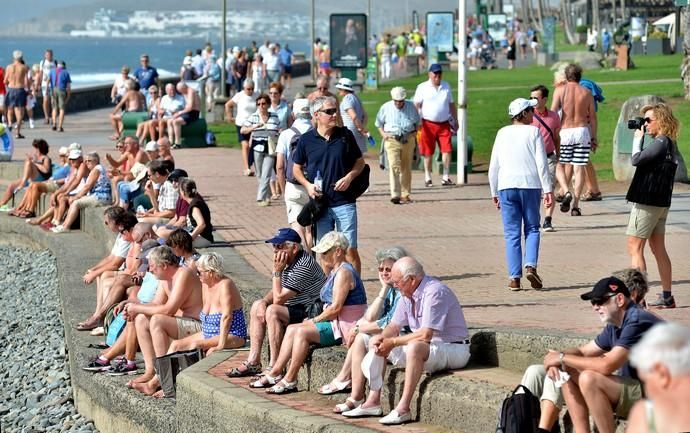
(605, 287)
(176, 174)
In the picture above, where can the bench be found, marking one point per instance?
(193, 134)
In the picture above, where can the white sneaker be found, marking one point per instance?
(31, 123)
(58, 229)
(394, 418)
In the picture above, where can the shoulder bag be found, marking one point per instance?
(652, 184)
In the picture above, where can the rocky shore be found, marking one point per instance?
(34, 369)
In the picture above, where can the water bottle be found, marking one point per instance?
(371, 140)
(318, 181)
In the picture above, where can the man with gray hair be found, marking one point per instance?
(296, 196)
(439, 339)
(173, 313)
(331, 155)
(17, 81)
(398, 121)
(190, 113)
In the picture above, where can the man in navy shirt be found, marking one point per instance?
(146, 75)
(331, 152)
(602, 382)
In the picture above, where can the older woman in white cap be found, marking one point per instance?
(353, 114)
(518, 174)
(398, 121)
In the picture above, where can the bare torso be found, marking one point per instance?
(193, 96)
(576, 103)
(134, 101)
(193, 302)
(16, 76)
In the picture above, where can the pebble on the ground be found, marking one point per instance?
(34, 368)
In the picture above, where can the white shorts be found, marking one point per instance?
(442, 356)
(296, 197)
(30, 102)
(45, 90)
(575, 145)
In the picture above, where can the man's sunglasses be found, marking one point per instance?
(598, 302)
(329, 111)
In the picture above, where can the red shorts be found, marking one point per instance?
(433, 132)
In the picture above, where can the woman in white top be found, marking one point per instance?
(259, 73)
(518, 173)
(245, 101)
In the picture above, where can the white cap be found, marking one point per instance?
(187, 60)
(63, 151)
(16, 54)
(151, 146)
(398, 93)
(74, 154)
(519, 105)
(235, 49)
(74, 146)
(139, 171)
(345, 84)
(300, 105)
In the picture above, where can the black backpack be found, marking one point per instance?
(289, 176)
(519, 412)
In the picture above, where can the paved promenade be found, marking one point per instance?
(455, 232)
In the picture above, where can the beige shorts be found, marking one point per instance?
(552, 164)
(296, 198)
(187, 326)
(51, 186)
(646, 220)
(87, 201)
(631, 392)
(442, 356)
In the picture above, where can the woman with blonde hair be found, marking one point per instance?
(650, 192)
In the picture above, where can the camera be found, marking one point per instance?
(636, 123)
(402, 138)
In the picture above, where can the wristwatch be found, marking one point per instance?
(277, 274)
(560, 358)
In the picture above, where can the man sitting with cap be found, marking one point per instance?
(398, 122)
(591, 383)
(296, 285)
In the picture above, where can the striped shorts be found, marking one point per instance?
(575, 146)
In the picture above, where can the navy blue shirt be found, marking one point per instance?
(334, 158)
(636, 322)
(146, 77)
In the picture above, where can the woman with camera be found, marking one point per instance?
(650, 192)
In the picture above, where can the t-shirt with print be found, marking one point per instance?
(636, 322)
(305, 277)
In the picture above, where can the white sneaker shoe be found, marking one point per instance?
(31, 123)
(394, 418)
(58, 229)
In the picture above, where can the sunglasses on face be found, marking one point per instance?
(261, 104)
(382, 269)
(329, 111)
(648, 120)
(598, 302)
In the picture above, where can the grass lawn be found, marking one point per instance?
(490, 92)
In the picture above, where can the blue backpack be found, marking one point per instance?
(210, 139)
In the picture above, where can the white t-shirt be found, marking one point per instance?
(121, 247)
(283, 146)
(435, 101)
(172, 105)
(272, 62)
(246, 106)
(46, 66)
(120, 84)
(264, 51)
(518, 160)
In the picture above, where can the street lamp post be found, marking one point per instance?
(223, 44)
(462, 93)
(312, 36)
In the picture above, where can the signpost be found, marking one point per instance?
(348, 36)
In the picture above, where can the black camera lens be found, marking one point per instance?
(636, 123)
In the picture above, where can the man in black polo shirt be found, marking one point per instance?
(601, 381)
(331, 152)
(296, 284)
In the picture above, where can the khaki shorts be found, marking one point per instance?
(442, 356)
(187, 326)
(646, 220)
(87, 201)
(552, 164)
(51, 186)
(296, 198)
(631, 392)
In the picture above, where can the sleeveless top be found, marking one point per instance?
(649, 409)
(199, 203)
(102, 187)
(356, 296)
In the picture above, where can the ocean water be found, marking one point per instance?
(93, 61)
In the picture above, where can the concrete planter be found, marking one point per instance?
(659, 46)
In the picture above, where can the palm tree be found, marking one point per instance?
(685, 66)
(568, 25)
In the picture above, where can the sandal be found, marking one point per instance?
(591, 196)
(265, 381)
(245, 369)
(565, 205)
(350, 403)
(283, 387)
(334, 387)
(575, 212)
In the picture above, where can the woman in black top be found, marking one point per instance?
(37, 168)
(650, 192)
(199, 217)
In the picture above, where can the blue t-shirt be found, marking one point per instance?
(285, 56)
(146, 77)
(59, 78)
(356, 296)
(334, 158)
(60, 172)
(636, 322)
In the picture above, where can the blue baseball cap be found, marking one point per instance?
(285, 235)
(435, 68)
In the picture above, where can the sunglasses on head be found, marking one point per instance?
(329, 111)
(597, 302)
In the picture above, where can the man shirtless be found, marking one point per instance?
(17, 82)
(175, 310)
(322, 83)
(132, 100)
(189, 114)
(122, 167)
(578, 133)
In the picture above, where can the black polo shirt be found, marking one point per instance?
(334, 158)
